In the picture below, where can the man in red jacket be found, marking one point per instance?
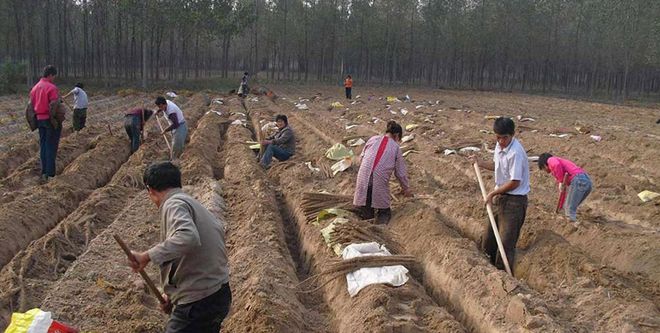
(42, 95)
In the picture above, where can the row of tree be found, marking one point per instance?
(569, 46)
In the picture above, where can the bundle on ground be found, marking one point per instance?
(313, 203)
(362, 232)
(338, 268)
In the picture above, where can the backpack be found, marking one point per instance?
(30, 116)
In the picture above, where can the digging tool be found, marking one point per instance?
(169, 147)
(562, 194)
(67, 105)
(144, 275)
(491, 217)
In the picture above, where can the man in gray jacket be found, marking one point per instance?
(191, 255)
(281, 145)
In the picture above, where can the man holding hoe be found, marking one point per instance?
(192, 256)
(510, 194)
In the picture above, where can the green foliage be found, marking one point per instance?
(11, 73)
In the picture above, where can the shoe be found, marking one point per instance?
(44, 179)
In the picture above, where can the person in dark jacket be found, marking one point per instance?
(281, 145)
(134, 125)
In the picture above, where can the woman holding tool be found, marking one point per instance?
(571, 179)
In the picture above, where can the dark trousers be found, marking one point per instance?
(348, 93)
(132, 127)
(381, 215)
(79, 119)
(203, 316)
(509, 214)
(49, 141)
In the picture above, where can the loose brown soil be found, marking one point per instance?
(601, 276)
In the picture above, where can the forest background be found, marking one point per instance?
(591, 48)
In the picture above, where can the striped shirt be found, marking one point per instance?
(391, 162)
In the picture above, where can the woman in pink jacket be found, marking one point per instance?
(380, 158)
(578, 182)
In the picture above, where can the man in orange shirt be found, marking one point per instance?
(348, 84)
(41, 96)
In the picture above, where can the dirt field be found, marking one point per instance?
(601, 276)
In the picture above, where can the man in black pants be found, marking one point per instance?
(192, 257)
(511, 187)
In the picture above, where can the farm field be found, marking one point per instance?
(603, 275)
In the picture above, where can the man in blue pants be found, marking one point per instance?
(44, 96)
(281, 145)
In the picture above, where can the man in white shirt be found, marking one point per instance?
(177, 124)
(80, 104)
(511, 187)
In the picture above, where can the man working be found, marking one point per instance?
(511, 188)
(282, 144)
(134, 122)
(43, 97)
(80, 103)
(191, 255)
(177, 124)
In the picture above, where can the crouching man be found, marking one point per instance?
(191, 255)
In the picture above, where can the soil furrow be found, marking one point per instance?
(30, 217)
(263, 273)
(108, 287)
(640, 306)
(32, 271)
(454, 272)
(603, 240)
(377, 308)
(27, 175)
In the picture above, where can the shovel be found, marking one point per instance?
(491, 217)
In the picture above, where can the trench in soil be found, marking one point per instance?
(315, 313)
(422, 314)
(38, 267)
(643, 312)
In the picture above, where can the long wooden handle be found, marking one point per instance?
(164, 136)
(491, 217)
(144, 275)
(562, 194)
